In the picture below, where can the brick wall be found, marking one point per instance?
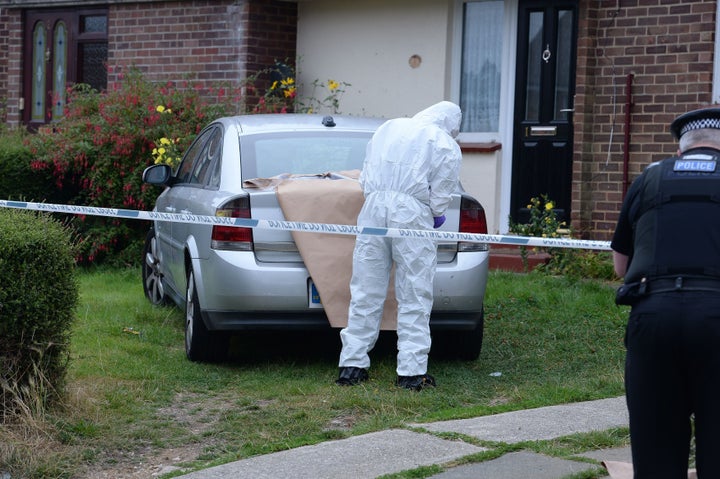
(272, 33)
(666, 48)
(272, 37)
(203, 40)
(4, 37)
(207, 41)
(10, 64)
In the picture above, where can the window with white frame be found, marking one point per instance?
(481, 65)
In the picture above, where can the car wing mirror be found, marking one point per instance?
(157, 175)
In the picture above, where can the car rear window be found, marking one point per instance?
(271, 155)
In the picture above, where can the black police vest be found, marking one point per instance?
(677, 225)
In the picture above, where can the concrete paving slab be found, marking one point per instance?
(359, 457)
(618, 454)
(540, 423)
(517, 465)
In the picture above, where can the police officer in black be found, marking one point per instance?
(667, 247)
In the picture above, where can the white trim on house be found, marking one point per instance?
(507, 110)
(501, 201)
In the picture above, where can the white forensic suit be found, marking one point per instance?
(411, 168)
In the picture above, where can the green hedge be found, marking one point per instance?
(18, 181)
(38, 298)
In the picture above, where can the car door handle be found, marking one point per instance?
(170, 209)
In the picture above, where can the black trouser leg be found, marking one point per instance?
(656, 392)
(703, 351)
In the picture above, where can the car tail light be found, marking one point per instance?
(232, 237)
(472, 220)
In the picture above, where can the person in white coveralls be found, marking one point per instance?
(411, 168)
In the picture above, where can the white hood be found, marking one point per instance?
(445, 115)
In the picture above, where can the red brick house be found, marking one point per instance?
(92, 42)
(570, 98)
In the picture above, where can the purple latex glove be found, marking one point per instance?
(438, 221)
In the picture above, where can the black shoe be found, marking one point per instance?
(350, 376)
(415, 382)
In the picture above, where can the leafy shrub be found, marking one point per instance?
(544, 223)
(18, 181)
(281, 93)
(38, 298)
(98, 151)
(579, 264)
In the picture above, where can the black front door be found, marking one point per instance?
(545, 88)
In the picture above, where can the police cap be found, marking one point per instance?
(695, 120)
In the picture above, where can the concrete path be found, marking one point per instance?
(386, 452)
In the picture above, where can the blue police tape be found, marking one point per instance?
(437, 235)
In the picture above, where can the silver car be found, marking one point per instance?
(231, 279)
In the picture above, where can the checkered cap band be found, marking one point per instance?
(700, 124)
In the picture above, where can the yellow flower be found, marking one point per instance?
(287, 82)
(549, 205)
(333, 85)
(289, 92)
(274, 85)
(166, 151)
(160, 108)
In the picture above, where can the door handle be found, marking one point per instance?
(170, 209)
(565, 110)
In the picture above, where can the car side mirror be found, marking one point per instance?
(157, 175)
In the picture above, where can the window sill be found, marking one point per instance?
(480, 147)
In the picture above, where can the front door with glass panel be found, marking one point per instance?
(545, 89)
(64, 47)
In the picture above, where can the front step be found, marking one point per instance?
(508, 258)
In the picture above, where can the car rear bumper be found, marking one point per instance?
(238, 293)
(284, 320)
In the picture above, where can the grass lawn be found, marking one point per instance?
(134, 401)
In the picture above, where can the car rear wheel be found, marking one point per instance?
(200, 344)
(152, 277)
(465, 345)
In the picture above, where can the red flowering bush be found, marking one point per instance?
(98, 151)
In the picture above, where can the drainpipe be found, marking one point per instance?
(626, 142)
